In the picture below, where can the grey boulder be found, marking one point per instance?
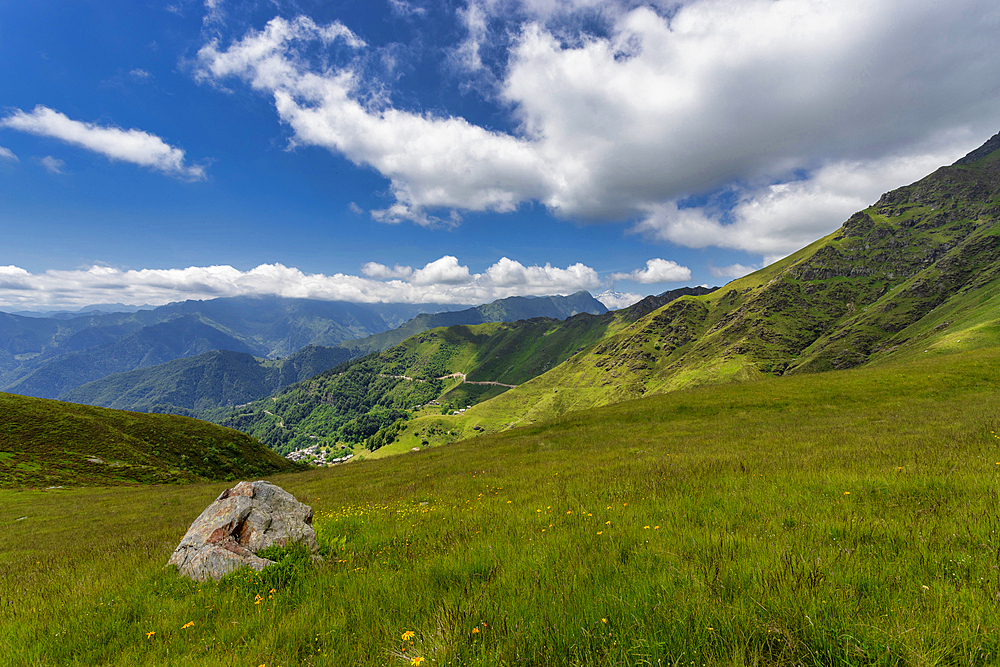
(243, 520)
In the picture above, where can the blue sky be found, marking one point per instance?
(401, 150)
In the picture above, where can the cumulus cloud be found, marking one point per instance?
(52, 165)
(441, 281)
(134, 146)
(732, 271)
(383, 272)
(657, 105)
(657, 271)
(444, 271)
(618, 300)
(431, 162)
(511, 274)
(774, 220)
(7, 154)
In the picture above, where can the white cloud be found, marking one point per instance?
(383, 272)
(775, 220)
(732, 271)
(431, 162)
(140, 74)
(404, 8)
(446, 271)
(135, 146)
(657, 107)
(618, 300)
(8, 154)
(52, 165)
(467, 54)
(13, 277)
(441, 281)
(657, 271)
(508, 273)
(215, 13)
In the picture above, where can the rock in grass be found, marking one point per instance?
(243, 520)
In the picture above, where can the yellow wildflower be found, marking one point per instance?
(187, 625)
(416, 661)
(150, 634)
(475, 631)
(408, 635)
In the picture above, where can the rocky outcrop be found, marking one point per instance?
(243, 520)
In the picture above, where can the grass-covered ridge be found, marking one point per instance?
(51, 443)
(918, 270)
(838, 518)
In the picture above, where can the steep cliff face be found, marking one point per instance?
(929, 242)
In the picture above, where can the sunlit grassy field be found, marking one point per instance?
(838, 519)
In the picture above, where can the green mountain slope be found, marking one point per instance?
(211, 380)
(510, 309)
(48, 443)
(919, 270)
(366, 403)
(178, 338)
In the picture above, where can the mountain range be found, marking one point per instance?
(46, 357)
(228, 371)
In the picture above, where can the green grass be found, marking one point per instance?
(844, 518)
(52, 443)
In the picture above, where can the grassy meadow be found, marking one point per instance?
(847, 518)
